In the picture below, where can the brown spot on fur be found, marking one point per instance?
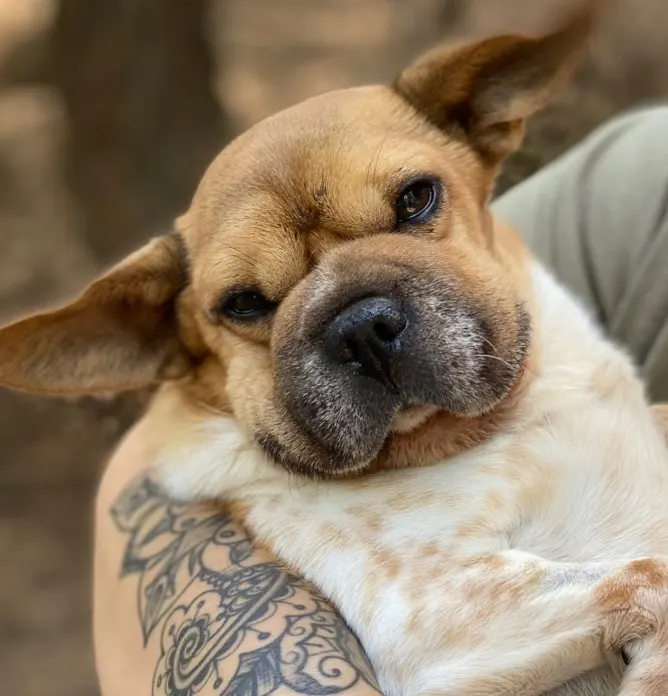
(491, 562)
(336, 537)
(650, 571)
(451, 633)
(372, 521)
(498, 591)
(386, 562)
(382, 566)
(619, 592)
(405, 502)
(493, 502)
(473, 529)
(429, 549)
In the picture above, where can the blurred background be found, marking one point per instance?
(109, 112)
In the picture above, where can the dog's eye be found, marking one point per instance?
(417, 201)
(247, 305)
(626, 657)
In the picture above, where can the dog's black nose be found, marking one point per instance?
(366, 336)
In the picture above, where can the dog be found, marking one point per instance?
(399, 401)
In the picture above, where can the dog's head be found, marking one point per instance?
(337, 284)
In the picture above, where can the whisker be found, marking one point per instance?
(496, 357)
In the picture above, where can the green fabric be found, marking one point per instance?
(598, 217)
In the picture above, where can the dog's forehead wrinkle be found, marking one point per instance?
(311, 147)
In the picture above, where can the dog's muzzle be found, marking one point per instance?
(360, 352)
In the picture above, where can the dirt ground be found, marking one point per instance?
(269, 54)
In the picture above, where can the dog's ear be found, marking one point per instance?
(120, 334)
(486, 91)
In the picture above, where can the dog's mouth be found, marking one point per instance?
(383, 366)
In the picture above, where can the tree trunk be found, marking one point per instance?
(136, 77)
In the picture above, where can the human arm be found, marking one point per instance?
(184, 604)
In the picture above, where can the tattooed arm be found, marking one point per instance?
(185, 606)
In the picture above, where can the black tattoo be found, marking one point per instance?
(227, 625)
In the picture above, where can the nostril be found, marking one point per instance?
(384, 332)
(389, 327)
(350, 352)
(364, 336)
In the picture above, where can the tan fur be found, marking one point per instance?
(119, 335)
(444, 516)
(660, 412)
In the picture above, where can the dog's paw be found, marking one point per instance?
(634, 602)
(646, 671)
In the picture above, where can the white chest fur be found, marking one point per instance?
(578, 476)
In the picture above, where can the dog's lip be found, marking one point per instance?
(412, 417)
(406, 420)
(341, 472)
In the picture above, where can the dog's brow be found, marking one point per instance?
(399, 177)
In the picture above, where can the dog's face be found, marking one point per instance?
(341, 257)
(337, 282)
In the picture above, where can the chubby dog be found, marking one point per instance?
(398, 400)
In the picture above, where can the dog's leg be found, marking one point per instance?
(647, 674)
(545, 623)
(603, 681)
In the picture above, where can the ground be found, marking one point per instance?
(269, 55)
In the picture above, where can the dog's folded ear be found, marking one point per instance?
(120, 334)
(485, 91)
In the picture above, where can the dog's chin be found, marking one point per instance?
(348, 446)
